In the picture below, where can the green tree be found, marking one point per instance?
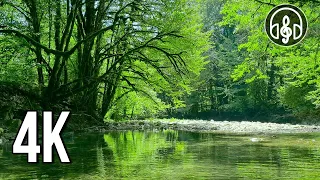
(278, 70)
(87, 54)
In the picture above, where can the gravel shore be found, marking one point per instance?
(207, 126)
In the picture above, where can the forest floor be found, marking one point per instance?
(206, 126)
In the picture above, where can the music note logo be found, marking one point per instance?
(286, 31)
(286, 25)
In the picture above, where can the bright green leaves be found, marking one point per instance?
(294, 70)
(162, 72)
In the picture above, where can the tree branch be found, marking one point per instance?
(52, 51)
(269, 3)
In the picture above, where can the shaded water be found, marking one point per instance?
(175, 155)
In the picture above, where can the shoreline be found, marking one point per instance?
(205, 126)
(200, 126)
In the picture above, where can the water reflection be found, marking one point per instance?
(175, 155)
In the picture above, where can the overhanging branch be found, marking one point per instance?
(52, 51)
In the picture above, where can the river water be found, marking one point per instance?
(175, 155)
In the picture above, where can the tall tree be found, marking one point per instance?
(101, 46)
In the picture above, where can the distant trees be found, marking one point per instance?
(250, 76)
(283, 69)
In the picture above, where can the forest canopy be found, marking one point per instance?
(250, 76)
(89, 55)
(123, 59)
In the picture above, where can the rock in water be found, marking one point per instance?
(255, 139)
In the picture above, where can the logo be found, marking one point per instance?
(28, 131)
(286, 25)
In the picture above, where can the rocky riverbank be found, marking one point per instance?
(245, 127)
(206, 126)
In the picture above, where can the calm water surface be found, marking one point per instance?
(175, 155)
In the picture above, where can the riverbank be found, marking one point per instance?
(206, 126)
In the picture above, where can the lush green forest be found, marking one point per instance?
(140, 59)
(248, 76)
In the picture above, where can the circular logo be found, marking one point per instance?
(286, 25)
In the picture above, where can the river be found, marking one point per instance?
(175, 155)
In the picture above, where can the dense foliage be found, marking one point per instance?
(99, 58)
(123, 59)
(248, 76)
